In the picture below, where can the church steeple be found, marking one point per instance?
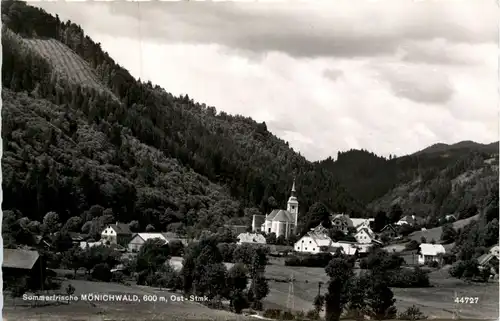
(293, 206)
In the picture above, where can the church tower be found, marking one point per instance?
(293, 206)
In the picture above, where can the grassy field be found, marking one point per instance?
(435, 302)
(67, 63)
(137, 311)
(435, 233)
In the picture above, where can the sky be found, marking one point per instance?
(392, 77)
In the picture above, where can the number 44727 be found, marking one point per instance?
(466, 299)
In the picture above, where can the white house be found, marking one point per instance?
(280, 222)
(254, 238)
(365, 236)
(494, 251)
(430, 252)
(118, 233)
(312, 243)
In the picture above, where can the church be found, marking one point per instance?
(280, 222)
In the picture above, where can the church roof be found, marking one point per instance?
(284, 216)
(271, 215)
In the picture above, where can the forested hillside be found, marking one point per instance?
(80, 131)
(148, 155)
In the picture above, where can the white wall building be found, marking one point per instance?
(281, 222)
(430, 252)
(118, 233)
(365, 236)
(312, 243)
(495, 251)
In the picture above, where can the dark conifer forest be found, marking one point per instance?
(97, 144)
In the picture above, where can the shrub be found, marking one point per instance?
(272, 313)
(406, 278)
(412, 313)
(310, 260)
(312, 315)
(412, 245)
(69, 276)
(433, 264)
(118, 277)
(102, 272)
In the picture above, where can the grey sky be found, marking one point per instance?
(389, 76)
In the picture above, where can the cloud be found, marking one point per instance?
(389, 77)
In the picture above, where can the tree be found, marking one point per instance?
(341, 274)
(380, 299)
(134, 226)
(380, 221)
(70, 289)
(73, 224)
(236, 284)
(412, 245)
(448, 234)
(319, 302)
(395, 214)
(51, 222)
(317, 214)
(150, 228)
(72, 258)
(271, 238)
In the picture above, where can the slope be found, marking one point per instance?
(459, 188)
(235, 153)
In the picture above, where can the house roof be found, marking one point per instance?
(431, 249)
(251, 238)
(485, 258)
(360, 221)
(348, 248)
(19, 259)
(120, 228)
(152, 236)
(237, 229)
(320, 239)
(84, 245)
(388, 226)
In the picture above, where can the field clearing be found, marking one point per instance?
(435, 302)
(435, 233)
(67, 63)
(137, 311)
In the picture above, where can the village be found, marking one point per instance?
(342, 235)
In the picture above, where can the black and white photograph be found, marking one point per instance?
(250, 160)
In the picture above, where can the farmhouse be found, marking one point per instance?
(118, 233)
(341, 222)
(365, 236)
(389, 230)
(312, 243)
(254, 238)
(430, 252)
(494, 251)
(23, 263)
(139, 239)
(280, 222)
